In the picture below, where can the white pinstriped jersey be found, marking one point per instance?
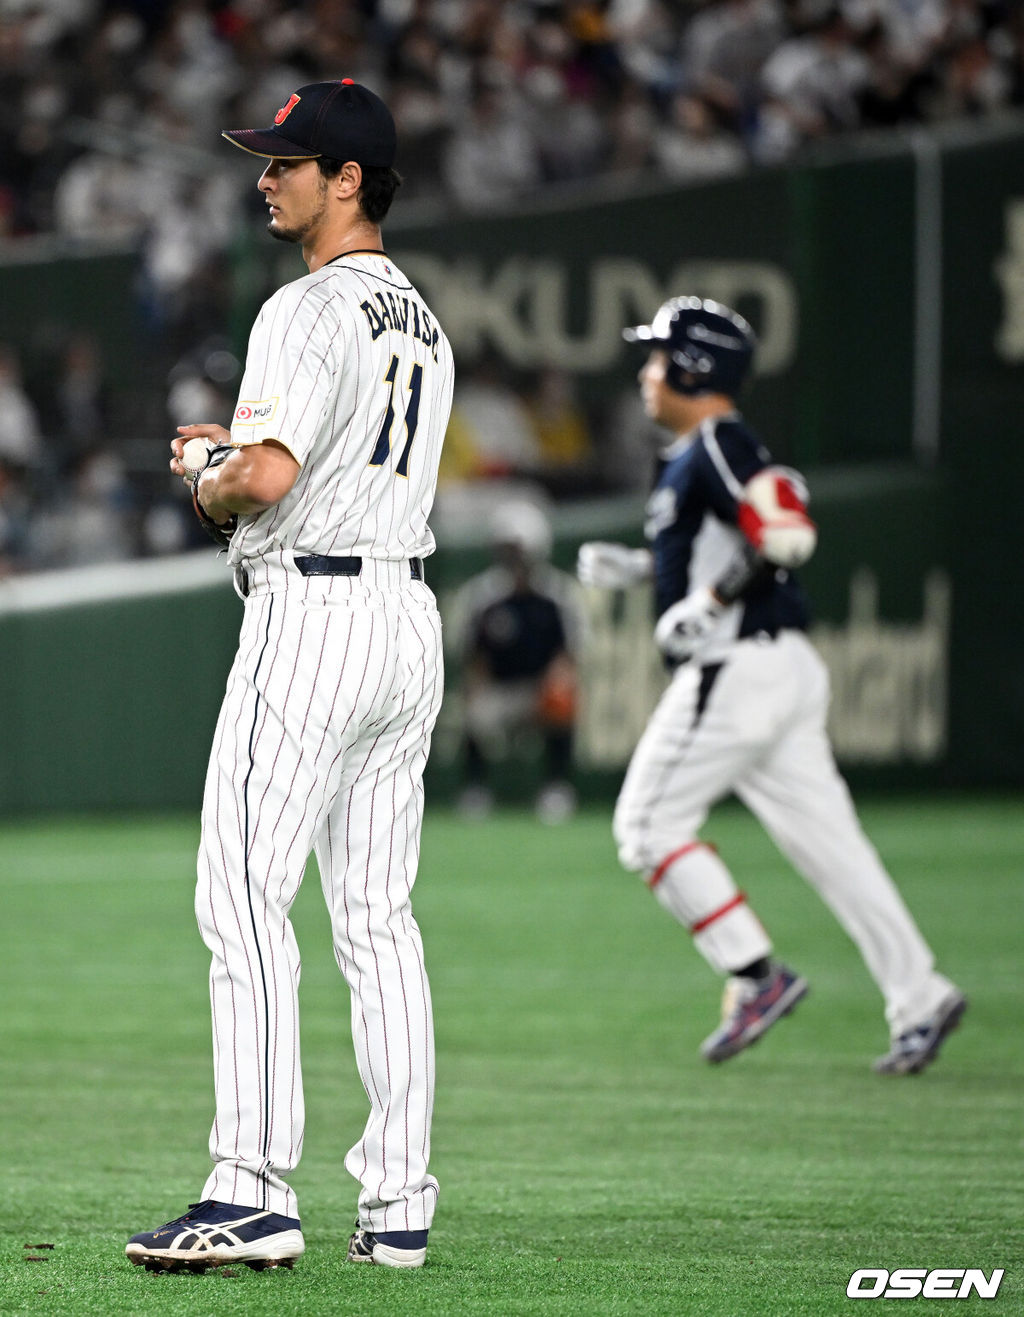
(350, 371)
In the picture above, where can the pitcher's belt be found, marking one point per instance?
(320, 564)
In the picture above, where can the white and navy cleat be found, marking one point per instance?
(917, 1048)
(388, 1248)
(212, 1234)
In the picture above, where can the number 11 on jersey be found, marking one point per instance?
(382, 449)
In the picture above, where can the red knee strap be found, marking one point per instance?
(667, 863)
(701, 924)
(669, 860)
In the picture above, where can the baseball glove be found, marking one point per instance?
(221, 532)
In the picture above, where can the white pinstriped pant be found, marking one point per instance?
(320, 746)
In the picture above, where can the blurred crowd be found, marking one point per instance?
(109, 119)
(494, 98)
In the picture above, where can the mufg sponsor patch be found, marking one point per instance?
(255, 413)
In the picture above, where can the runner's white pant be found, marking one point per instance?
(320, 745)
(756, 727)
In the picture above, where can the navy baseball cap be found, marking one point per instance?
(340, 120)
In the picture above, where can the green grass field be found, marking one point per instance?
(589, 1162)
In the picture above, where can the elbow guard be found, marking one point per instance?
(773, 516)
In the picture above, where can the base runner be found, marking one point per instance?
(745, 710)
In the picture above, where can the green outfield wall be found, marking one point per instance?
(111, 702)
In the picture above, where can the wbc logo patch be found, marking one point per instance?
(286, 110)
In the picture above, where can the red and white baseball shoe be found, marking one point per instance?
(749, 1009)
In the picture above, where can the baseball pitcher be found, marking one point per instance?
(321, 491)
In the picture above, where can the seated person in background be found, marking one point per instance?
(518, 637)
(490, 435)
(558, 421)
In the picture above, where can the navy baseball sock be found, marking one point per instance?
(757, 969)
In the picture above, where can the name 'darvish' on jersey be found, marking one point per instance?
(401, 314)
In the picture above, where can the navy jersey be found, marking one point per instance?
(692, 531)
(518, 636)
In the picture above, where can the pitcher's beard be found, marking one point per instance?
(285, 235)
(304, 232)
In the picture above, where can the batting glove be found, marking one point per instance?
(612, 566)
(683, 628)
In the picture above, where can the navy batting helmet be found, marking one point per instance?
(709, 346)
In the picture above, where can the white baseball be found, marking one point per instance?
(194, 455)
